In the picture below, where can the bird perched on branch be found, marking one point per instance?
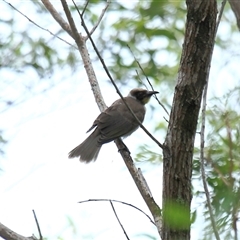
(115, 122)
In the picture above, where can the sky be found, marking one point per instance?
(37, 173)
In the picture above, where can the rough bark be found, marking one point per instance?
(179, 144)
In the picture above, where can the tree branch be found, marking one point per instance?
(7, 234)
(115, 213)
(100, 17)
(38, 226)
(202, 137)
(117, 201)
(57, 17)
(31, 21)
(142, 186)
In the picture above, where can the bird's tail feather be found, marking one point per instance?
(88, 150)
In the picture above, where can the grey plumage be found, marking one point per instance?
(116, 121)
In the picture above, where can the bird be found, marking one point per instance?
(115, 122)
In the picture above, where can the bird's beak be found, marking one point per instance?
(150, 93)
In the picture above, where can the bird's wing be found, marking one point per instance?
(117, 121)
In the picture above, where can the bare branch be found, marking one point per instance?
(117, 201)
(44, 29)
(100, 17)
(85, 7)
(202, 137)
(119, 220)
(142, 186)
(38, 226)
(7, 234)
(57, 17)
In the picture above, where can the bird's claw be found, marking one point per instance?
(124, 148)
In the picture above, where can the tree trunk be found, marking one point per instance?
(179, 144)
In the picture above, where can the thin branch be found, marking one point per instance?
(8, 234)
(142, 187)
(202, 137)
(140, 80)
(57, 17)
(114, 84)
(100, 17)
(117, 201)
(119, 220)
(44, 29)
(149, 82)
(85, 7)
(38, 226)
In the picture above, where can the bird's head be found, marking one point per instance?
(141, 95)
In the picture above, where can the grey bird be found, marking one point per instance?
(115, 122)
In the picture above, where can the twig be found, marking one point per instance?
(100, 17)
(140, 80)
(119, 220)
(114, 84)
(202, 164)
(85, 7)
(149, 82)
(44, 29)
(117, 201)
(202, 137)
(38, 226)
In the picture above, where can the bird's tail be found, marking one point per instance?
(88, 150)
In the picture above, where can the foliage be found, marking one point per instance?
(222, 157)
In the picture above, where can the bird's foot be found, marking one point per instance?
(124, 148)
